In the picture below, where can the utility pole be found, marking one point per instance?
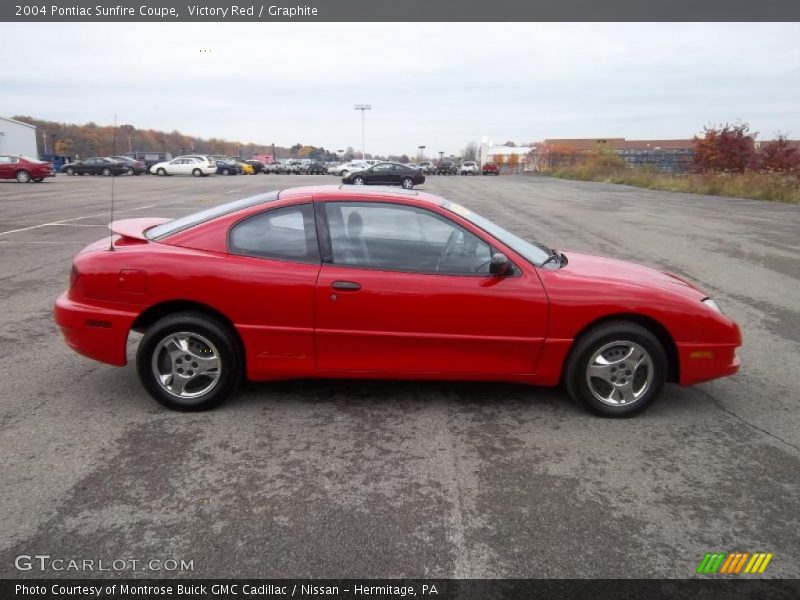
(421, 152)
(363, 108)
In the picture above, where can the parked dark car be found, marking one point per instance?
(447, 168)
(258, 166)
(227, 167)
(386, 174)
(24, 169)
(96, 165)
(490, 169)
(134, 167)
(149, 158)
(317, 167)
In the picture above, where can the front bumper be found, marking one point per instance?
(97, 331)
(704, 362)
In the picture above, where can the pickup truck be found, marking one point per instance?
(469, 167)
(446, 168)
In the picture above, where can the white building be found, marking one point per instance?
(489, 150)
(18, 138)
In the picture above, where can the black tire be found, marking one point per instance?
(161, 172)
(70, 171)
(407, 183)
(358, 180)
(197, 173)
(575, 372)
(22, 176)
(106, 172)
(216, 332)
(129, 171)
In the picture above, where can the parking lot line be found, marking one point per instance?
(68, 221)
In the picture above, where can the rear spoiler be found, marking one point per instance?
(135, 228)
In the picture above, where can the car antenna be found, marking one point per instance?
(113, 177)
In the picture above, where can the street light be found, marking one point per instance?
(441, 155)
(421, 152)
(363, 108)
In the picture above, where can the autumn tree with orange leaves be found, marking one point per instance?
(726, 148)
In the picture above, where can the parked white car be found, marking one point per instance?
(185, 166)
(469, 167)
(351, 167)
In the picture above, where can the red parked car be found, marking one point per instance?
(490, 169)
(371, 283)
(24, 169)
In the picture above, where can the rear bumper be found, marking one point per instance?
(94, 330)
(704, 362)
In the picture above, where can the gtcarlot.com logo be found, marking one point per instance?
(734, 563)
(45, 562)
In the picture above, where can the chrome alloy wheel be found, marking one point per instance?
(186, 365)
(619, 373)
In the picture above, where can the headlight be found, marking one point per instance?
(710, 303)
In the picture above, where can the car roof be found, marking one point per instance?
(359, 193)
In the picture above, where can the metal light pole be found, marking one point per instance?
(363, 108)
(421, 152)
(441, 155)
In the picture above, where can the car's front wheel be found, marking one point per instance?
(616, 369)
(106, 172)
(161, 172)
(23, 176)
(189, 361)
(407, 183)
(70, 171)
(358, 180)
(197, 173)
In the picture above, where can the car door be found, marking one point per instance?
(405, 289)
(380, 174)
(6, 170)
(269, 277)
(85, 167)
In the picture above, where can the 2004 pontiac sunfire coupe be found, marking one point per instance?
(378, 283)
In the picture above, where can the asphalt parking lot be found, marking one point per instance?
(387, 479)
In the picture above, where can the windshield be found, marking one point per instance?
(165, 229)
(534, 253)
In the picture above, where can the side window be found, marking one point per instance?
(283, 234)
(394, 237)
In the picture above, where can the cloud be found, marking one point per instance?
(441, 84)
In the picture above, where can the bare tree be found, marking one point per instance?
(470, 151)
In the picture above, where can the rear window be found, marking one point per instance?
(171, 227)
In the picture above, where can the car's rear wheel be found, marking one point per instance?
(189, 361)
(106, 172)
(407, 183)
(23, 176)
(70, 171)
(129, 171)
(197, 173)
(358, 180)
(161, 172)
(616, 369)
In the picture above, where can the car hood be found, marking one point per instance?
(605, 269)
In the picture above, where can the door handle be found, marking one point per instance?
(351, 286)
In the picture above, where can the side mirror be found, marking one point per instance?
(499, 265)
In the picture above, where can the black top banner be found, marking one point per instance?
(398, 11)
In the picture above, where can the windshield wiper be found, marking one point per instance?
(554, 255)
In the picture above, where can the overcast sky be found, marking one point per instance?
(441, 85)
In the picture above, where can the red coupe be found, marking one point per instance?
(375, 283)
